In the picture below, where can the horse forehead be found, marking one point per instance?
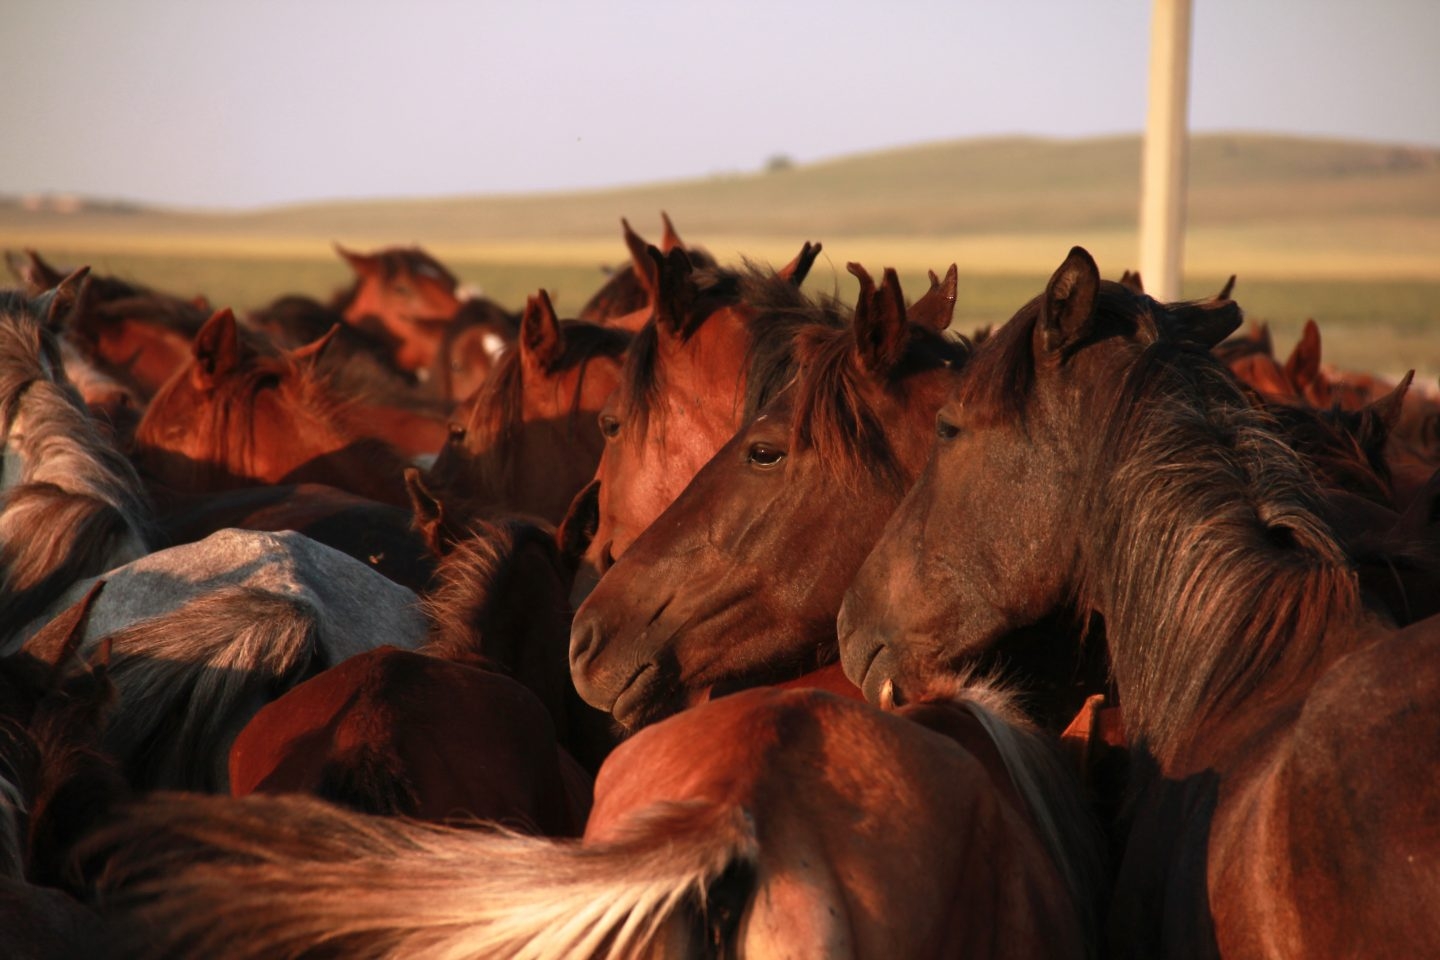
(344, 594)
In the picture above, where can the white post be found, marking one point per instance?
(1162, 171)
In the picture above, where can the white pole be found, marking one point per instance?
(1162, 171)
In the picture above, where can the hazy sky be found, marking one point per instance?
(249, 102)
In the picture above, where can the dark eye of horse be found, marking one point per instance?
(609, 426)
(764, 455)
(946, 431)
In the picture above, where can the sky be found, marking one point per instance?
(245, 103)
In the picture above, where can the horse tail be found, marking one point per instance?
(189, 680)
(267, 876)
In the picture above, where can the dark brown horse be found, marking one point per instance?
(717, 347)
(1284, 739)
(739, 580)
(242, 414)
(529, 440)
(766, 824)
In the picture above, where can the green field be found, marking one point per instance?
(1346, 233)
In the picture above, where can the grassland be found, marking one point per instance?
(1346, 233)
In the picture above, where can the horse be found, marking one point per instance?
(627, 298)
(469, 726)
(739, 580)
(403, 296)
(475, 340)
(202, 635)
(1283, 736)
(769, 823)
(71, 505)
(240, 414)
(528, 440)
(715, 350)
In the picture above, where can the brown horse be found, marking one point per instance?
(403, 296)
(467, 726)
(739, 580)
(241, 414)
(529, 441)
(717, 347)
(627, 298)
(1284, 739)
(766, 824)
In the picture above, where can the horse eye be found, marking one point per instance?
(946, 431)
(609, 426)
(764, 455)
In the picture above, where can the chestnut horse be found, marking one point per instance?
(1284, 739)
(467, 726)
(739, 580)
(716, 348)
(767, 824)
(404, 297)
(627, 299)
(529, 440)
(239, 414)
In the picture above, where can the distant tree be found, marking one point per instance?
(779, 163)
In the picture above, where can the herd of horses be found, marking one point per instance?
(725, 619)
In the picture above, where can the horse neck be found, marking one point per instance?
(1224, 594)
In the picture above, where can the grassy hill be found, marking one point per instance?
(1347, 232)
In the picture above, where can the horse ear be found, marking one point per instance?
(542, 340)
(1067, 309)
(936, 309)
(673, 288)
(880, 324)
(578, 528)
(427, 514)
(312, 351)
(798, 269)
(57, 305)
(640, 260)
(669, 240)
(1388, 408)
(1208, 322)
(359, 262)
(1226, 290)
(60, 639)
(1131, 281)
(1262, 337)
(1303, 367)
(217, 345)
(38, 275)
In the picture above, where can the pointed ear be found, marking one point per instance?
(427, 514)
(640, 260)
(1226, 290)
(542, 340)
(39, 275)
(60, 639)
(217, 346)
(1207, 322)
(798, 269)
(56, 306)
(1388, 408)
(1131, 281)
(669, 240)
(358, 262)
(311, 352)
(674, 292)
(1067, 309)
(1261, 333)
(578, 528)
(880, 324)
(1303, 367)
(937, 308)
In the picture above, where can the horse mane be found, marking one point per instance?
(1220, 564)
(75, 486)
(833, 416)
(473, 596)
(494, 431)
(1047, 783)
(189, 874)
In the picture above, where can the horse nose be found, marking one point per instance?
(585, 640)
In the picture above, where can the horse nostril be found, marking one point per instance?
(607, 557)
